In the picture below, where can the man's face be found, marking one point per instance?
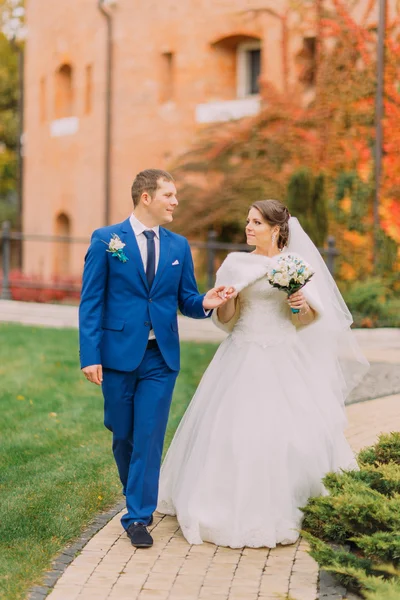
(164, 202)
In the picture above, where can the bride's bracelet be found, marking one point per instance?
(303, 312)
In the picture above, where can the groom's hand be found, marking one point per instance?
(216, 297)
(94, 374)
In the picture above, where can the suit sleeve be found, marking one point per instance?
(94, 283)
(189, 300)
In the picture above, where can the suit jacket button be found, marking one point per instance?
(150, 300)
(146, 323)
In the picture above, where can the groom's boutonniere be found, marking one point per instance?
(116, 247)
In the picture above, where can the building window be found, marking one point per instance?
(306, 62)
(233, 82)
(235, 69)
(64, 97)
(62, 249)
(88, 89)
(167, 77)
(42, 99)
(248, 57)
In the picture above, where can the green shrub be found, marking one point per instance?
(374, 302)
(340, 562)
(386, 450)
(322, 520)
(372, 587)
(355, 530)
(381, 590)
(367, 456)
(385, 479)
(368, 297)
(382, 546)
(367, 511)
(8, 212)
(355, 509)
(307, 200)
(350, 185)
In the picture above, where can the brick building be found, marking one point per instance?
(175, 65)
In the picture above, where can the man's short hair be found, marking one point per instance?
(147, 181)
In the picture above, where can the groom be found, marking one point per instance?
(136, 275)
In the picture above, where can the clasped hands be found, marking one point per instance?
(218, 296)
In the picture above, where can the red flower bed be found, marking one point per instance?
(29, 288)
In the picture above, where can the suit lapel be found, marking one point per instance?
(132, 251)
(165, 243)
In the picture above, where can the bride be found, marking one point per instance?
(266, 423)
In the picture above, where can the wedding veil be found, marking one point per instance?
(330, 339)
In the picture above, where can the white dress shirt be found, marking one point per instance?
(141, 239)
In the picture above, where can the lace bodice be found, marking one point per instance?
(264, 315)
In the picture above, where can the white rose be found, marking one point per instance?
(116, 245)
(285, 279)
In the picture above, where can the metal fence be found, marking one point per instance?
(211, 247)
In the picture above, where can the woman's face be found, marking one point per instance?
(259, 232)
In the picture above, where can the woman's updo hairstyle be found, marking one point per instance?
(275, 213)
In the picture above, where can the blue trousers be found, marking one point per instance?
(136, 408)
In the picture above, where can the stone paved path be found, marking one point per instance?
(109, 568)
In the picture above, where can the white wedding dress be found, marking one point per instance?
(264, 427)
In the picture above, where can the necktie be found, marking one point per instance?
(151, 256)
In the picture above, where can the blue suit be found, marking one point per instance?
(116, 313)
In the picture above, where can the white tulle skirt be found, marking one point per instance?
(263, 428)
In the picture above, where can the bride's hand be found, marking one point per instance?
(298, 301)
(219, 296)
(230, 293)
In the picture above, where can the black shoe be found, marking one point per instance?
(139, 536)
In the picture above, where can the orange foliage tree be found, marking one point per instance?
(233, 164)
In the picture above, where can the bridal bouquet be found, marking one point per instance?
(290, 275)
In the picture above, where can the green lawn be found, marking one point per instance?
(56, 465)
